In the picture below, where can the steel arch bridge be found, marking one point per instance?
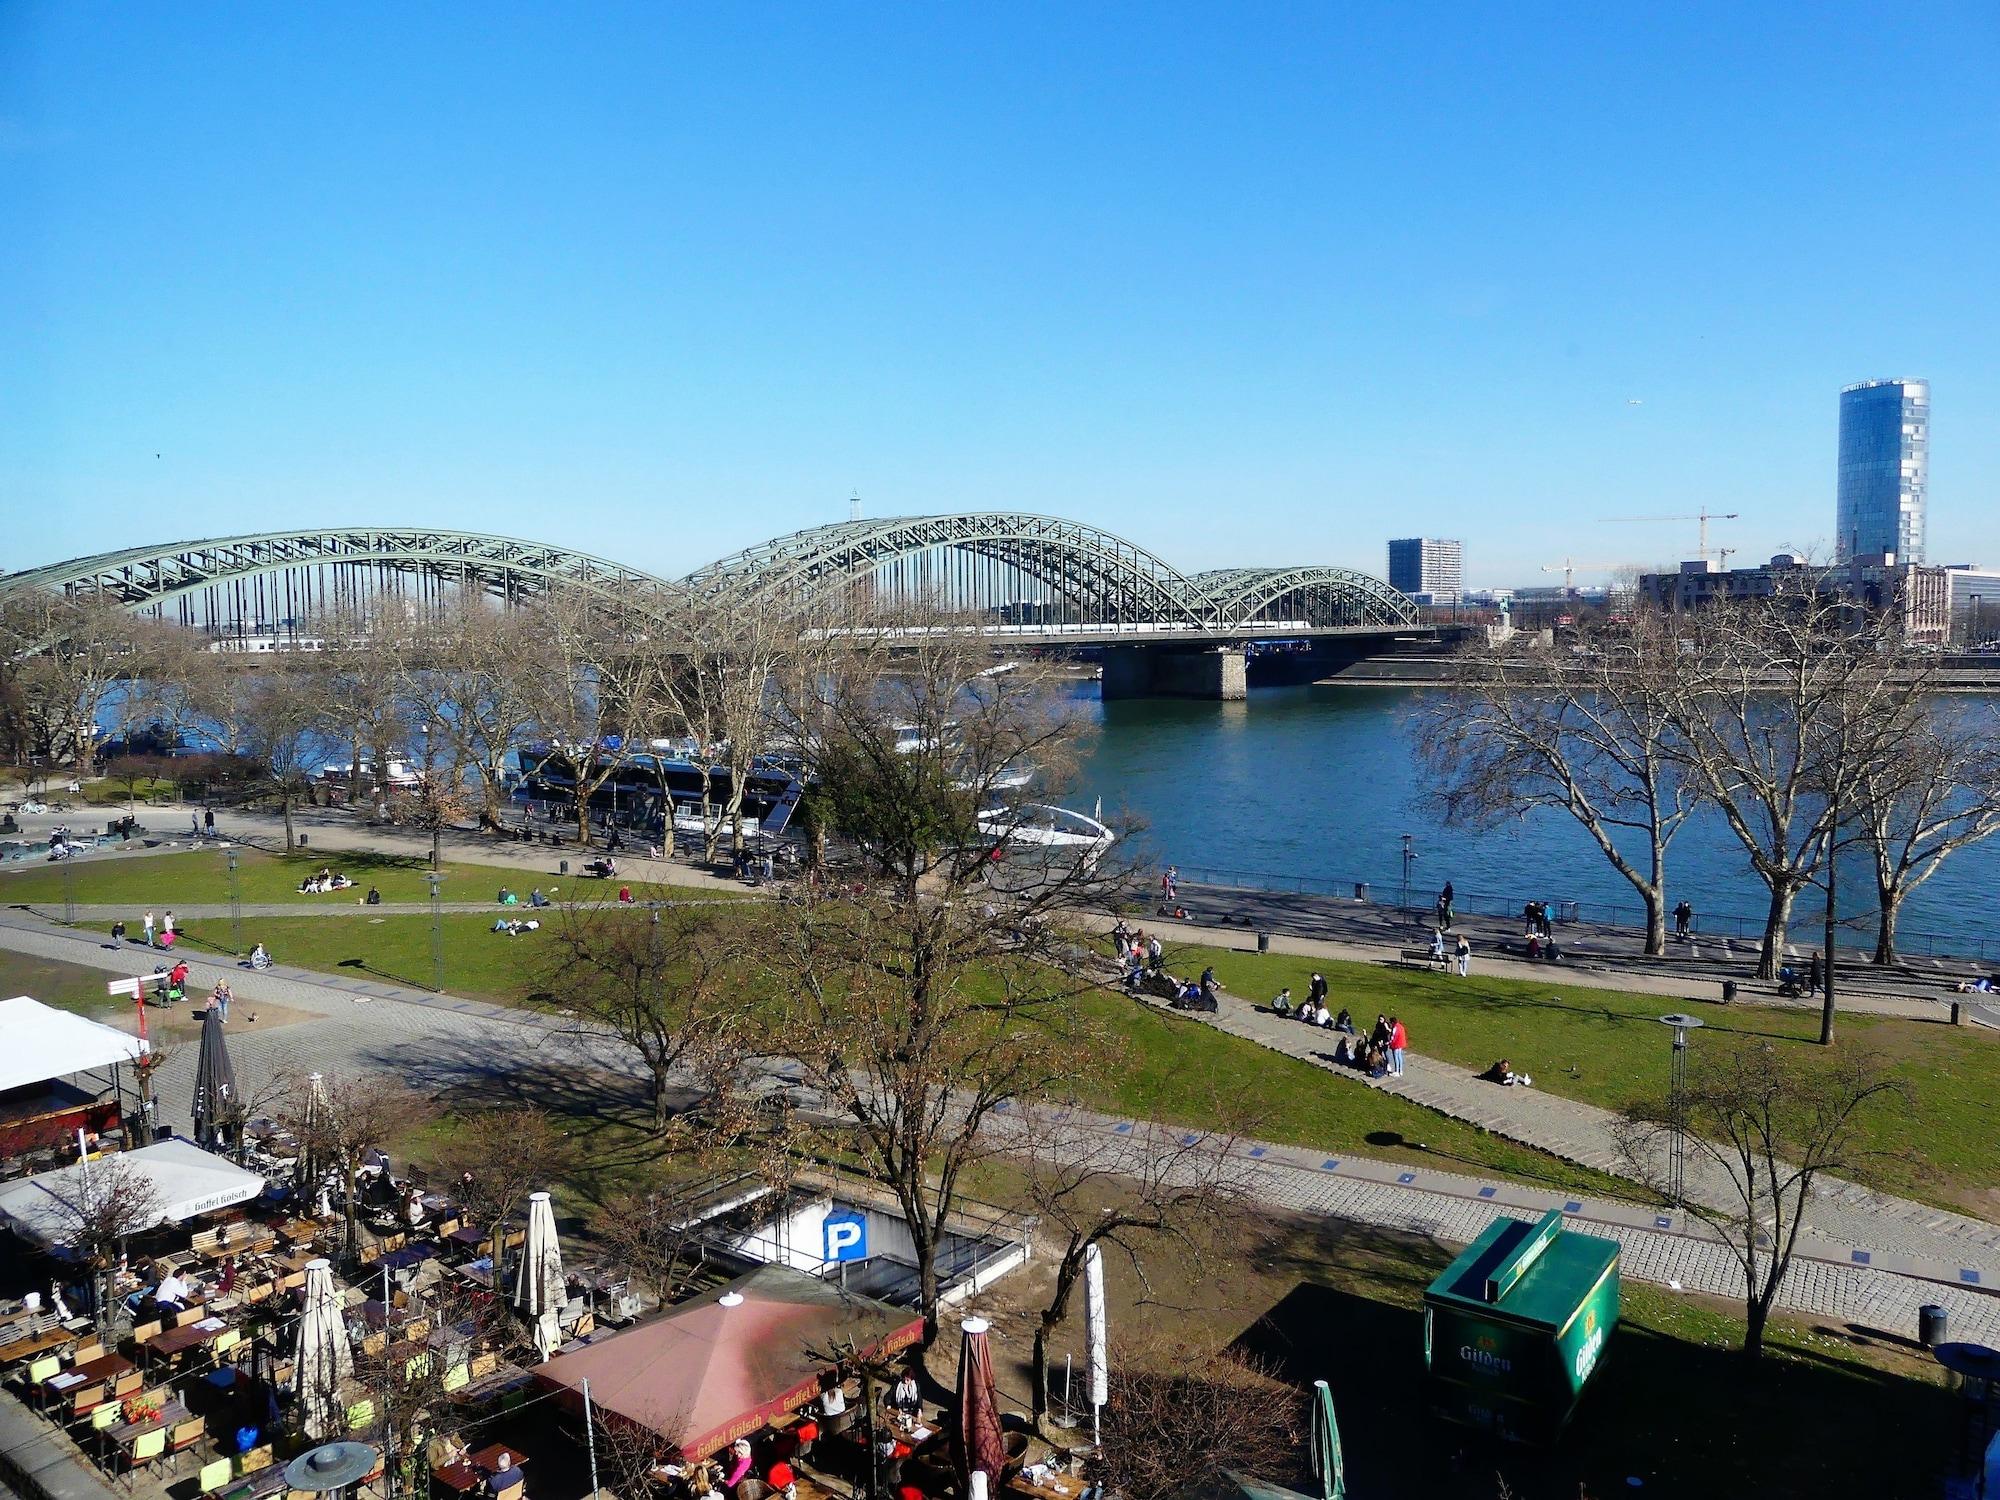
(1026, 572)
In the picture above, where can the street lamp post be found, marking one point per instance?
(1409, 854)
(69, 890)
(235, 906)
(1677, 1107)
(437, 930)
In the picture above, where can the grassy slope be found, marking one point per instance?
(1608, 1048)
(201, 878)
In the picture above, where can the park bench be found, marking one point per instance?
(1423, 958)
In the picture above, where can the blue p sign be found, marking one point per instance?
(846, 1236)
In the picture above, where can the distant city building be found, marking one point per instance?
(1884, 474)
(1875, 583)
(1430, 570)
(1975, 601)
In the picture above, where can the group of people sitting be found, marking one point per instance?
(535, 897)
(326, 880)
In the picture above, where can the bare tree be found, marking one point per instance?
(1768, 1124)
(1089, 1187)
(597, 663)
(716, 685)
(663, 982)
(280, 719)
(1183, 1419)
(1784, 701)
(63, 657)
(921, 999)
(1939, 792)
(105, 1203)
(1588, 731)
(495, 1159)
(361, 1113)
(474, 685)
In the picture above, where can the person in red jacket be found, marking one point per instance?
(1398, 1040)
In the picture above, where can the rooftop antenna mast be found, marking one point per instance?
(854, 506)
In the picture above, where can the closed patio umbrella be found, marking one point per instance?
(976, 1444)
(326, 1359)
(215, 1101)
(538, 1285)
(1097, 1369)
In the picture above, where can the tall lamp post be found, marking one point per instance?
(235, 905)
(69, 889)
(437, 930)
(1677, 1107)
(1409, 854)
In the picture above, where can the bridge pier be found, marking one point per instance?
(1212, 672)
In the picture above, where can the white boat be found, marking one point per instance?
(1043, 827)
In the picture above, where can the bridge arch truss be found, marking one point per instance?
(1013, 569)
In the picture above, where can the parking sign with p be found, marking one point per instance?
(846, 1236)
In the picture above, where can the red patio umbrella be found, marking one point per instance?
(975, 1441)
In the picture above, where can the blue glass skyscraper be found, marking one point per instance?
(1884, 479)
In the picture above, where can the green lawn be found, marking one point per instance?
(1173, 1068)
(201, 878)
(1607, 1047)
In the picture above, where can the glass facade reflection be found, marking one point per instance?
(1884, 477)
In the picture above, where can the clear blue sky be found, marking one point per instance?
(1248, 283)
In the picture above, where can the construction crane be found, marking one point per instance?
(1568, 566)
(1702, 516)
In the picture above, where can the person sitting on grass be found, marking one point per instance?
(508, 898)
(1282, 1006)
(374, 897)
(1344, 1021)
(536, 898)
(1502, 1072)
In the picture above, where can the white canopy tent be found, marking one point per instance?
(188, 1180)
(39, 1042)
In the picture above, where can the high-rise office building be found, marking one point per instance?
(1885, 445)
(1428, 569)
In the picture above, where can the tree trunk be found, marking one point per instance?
(349, 1206)
(1776, 923)
(662, 1116)
(1656, 922)
(1756, 1314)
(437, 842)
(927, 1286)
(1889, 906)
(1039, 1401)
(1832, 938)
(582, 816)
(291, 841)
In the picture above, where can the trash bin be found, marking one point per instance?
(562, 867)
(1263, 942)
(1931, 1324)
(1360, 890)
(1728, 990)
(302, 841)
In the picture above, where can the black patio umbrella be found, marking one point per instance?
(215, 1103)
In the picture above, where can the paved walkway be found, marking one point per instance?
(443, 1042)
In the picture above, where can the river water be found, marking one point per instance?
(1314, 787)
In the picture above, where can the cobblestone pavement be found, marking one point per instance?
(441, 1041)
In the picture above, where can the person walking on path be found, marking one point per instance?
(167, 927)
(1464, 956)
(1444, 908)
(1683, 920)
(1815, 974)
(1399, 1039)
(1169, 879)
(1155, 954)
(208, 825)
(194, 826)
(149, 929)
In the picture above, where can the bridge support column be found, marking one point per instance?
(1215, 672)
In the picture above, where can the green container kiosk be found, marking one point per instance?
(1516, 1326)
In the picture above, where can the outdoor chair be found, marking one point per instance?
(214, 1475)
(189, 1315)
(41, 1369)
(516, 1489)
(184, 1436)
(148, 1448)
(127, 1383)
(91, 1348)
(142, 1333)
